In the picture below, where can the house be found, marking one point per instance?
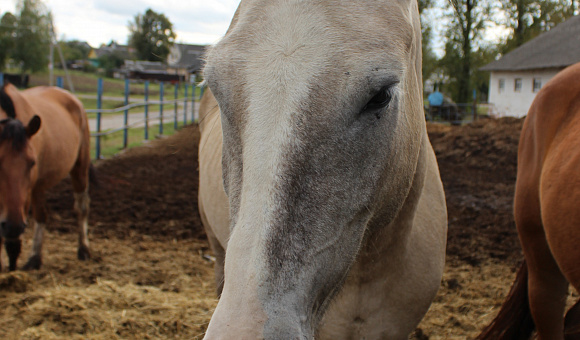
(186, 60)
(122, 52)
(149, 70)
(519, 75)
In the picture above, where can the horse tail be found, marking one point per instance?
(514, 320)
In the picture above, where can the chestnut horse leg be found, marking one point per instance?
(13, 248)
(572, 323)
(547, 287)
(39, 214)
(562, 236)
(82, 202)
(80, 182)
(556, 252)
(548, 290)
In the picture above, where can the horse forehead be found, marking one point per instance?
(273, 33)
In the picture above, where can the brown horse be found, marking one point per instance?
(547, 217)
(44, 136)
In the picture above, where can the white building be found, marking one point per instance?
(519, 75)
(186, 60)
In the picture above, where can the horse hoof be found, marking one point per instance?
(84, 254)
(33, 263)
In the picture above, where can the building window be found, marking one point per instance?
(518, 85)
(537, 84)
(501, 86)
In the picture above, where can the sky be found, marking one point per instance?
(100, 21)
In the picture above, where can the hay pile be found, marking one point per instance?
(120, 296)
(148, 278)
(107, 310)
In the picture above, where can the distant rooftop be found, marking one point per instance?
(145, 66)
(557, 48)
(123, 51)
(186, 56)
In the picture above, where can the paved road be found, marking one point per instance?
(110, 121)
(113, 98)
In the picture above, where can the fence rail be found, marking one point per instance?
(177, 102)
(458, 113)
(187, 111)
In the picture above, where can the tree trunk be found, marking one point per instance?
(463, 95)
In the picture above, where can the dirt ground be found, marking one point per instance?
(151, 277)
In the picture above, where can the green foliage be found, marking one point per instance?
(74, 50)
(151, 35)
(526, 19)
(8, 24)
(470, 19)
(32, 36)
(484, 55)
(110, 62)
(429, 58)
(465, 49)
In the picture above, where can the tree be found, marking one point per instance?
(112, 60)
(527, 19)
(151, 35)
(429, 58)
(32, 36)
(74, 50)
(470, 19)
(8, 24)
(484, 55)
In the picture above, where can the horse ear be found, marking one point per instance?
(33, 126)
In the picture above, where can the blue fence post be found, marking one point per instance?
(201, 90)
(176, 88)
(2, 79)
(185, 105)
(146, 110)
(59, 82)
(193, 103)
(126, 115)
(161, 108)
(99, 106)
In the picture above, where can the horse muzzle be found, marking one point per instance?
(10, 230)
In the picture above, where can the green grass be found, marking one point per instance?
(90, 103)
(86, 83)
(113, 143)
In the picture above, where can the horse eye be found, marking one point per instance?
(380, 101)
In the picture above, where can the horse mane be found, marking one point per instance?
(6, 102)
(15, 131)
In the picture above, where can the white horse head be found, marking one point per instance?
(325, 159)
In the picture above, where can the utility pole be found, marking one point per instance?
(53, 42)
(51, 60)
